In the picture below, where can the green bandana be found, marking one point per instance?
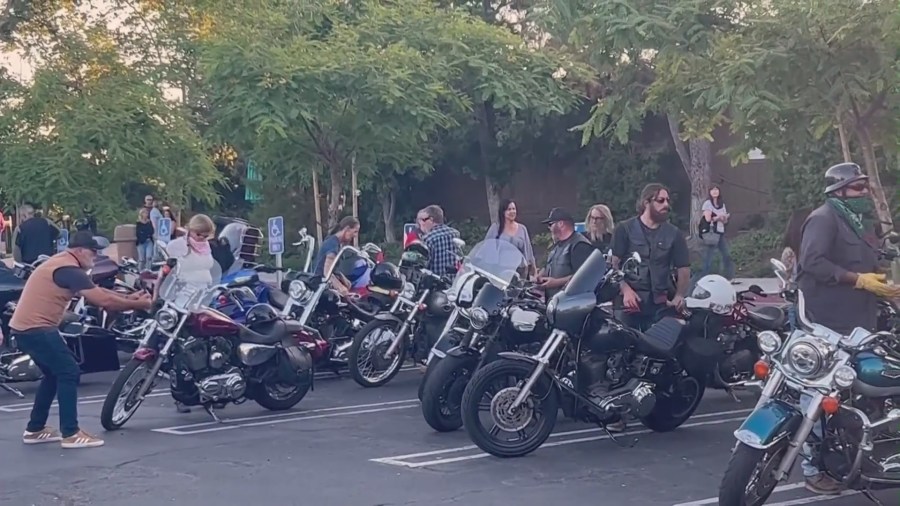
(853, 210)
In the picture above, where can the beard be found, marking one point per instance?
(659, 216)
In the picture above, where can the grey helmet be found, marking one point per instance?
(842, 175)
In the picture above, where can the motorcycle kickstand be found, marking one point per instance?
(870, 496)
(13, 390)
(212, 412)
(615, 440)
(733, 394)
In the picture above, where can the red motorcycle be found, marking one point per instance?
(211, 360)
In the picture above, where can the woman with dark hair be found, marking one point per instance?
(712, 232)
(508, 229)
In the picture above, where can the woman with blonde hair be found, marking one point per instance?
(193, 251)
(599, 226)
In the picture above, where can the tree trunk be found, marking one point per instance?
(334, 203)
(493, 197)
(870, 163)
(696, 159)
(845, 142)
(388, 198)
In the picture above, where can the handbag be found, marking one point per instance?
(711, 239)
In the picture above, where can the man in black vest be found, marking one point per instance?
(569, 251)
(662, 247)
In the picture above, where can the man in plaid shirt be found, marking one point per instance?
(439, 237)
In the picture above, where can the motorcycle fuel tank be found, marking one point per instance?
(877, 371)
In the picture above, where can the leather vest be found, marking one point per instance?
(43, 304)
(559, 262)
(654, 276)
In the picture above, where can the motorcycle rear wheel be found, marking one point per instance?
(442, 392)
(280, 401)
(356, 348)
(543, 400)
(113, 418)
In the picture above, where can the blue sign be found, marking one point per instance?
(276, 235)
(63, 242)
(580, 227)
(164, 229)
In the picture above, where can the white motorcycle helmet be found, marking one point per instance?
(713, 293)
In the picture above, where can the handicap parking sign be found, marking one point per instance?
(276, 235)
(63, 242)
(164, 229)
(580, 227)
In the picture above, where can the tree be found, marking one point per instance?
(644, 52)
(89, 124)
(832, 63)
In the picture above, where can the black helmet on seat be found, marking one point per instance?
(387, 276)
(839, 176)
(261, 314)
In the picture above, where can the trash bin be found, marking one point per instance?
(124, 243)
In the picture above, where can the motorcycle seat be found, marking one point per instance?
(277, 298)
(661, 339)
(768, 318)
(268, 333)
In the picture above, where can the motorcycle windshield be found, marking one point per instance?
(588, 276)
(496, 260)
(350, 263)
(190, 289)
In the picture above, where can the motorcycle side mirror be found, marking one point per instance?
(892, 237)
(171, 262)
(756, 290)
(636, 257)
(778, 265)
(459, 242)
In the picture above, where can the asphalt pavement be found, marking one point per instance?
(349, 446)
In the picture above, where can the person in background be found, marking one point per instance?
(569, 251)
(35, 323)
(347, 230)
(838, 274)
(442, 250)
(712, 233)
(36, 236)
(600, 226)
(150, 204)
(508, 229)
(146, 247)
(167, 213)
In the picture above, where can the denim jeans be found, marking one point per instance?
(61, 376)
(809, 469)
(727, 264)
(145, 254)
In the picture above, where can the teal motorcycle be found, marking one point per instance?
(838, 394)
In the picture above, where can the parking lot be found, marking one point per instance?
(349, 446)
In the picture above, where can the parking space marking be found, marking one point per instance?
(401, 460)
(783, 488)
(297, 416)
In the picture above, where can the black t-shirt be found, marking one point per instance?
(679, 256)
(73, 279)
(579, 254)
(36, 236)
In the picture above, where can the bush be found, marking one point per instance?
(750, 252)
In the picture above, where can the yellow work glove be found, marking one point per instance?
(875, 284)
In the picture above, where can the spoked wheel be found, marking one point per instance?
(675, 405)
(121, 402)
(749, 479)
(487, 411)
(368, 365)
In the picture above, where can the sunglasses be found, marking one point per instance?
(597, 218)
(858, 187)
(661, 200)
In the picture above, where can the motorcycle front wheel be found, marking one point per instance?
(492, 389)
(121, 402)
(442, 392)
(748, 479)
(368, 366)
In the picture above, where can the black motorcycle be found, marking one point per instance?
(503, 316)
(591, 365)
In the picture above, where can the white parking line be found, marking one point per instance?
(400, 459)
(782, 488)
(296, 416)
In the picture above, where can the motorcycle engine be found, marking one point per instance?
(203, 374)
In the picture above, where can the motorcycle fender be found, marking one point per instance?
(769, 424)
(515, 355)
(385, 316)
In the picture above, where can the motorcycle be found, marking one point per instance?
(504, 316)
(211, 360)
(421, 308)
(732, 319)
(851, 382)
(591, 365)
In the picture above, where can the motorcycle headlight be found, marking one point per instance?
(805, 358)
(844, 376)
(769, 342)
(478, 318)
(167, 319)
(297, 289)
(409, 291)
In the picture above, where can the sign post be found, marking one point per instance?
(63, 242)
(276, 242)
(164, 229)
